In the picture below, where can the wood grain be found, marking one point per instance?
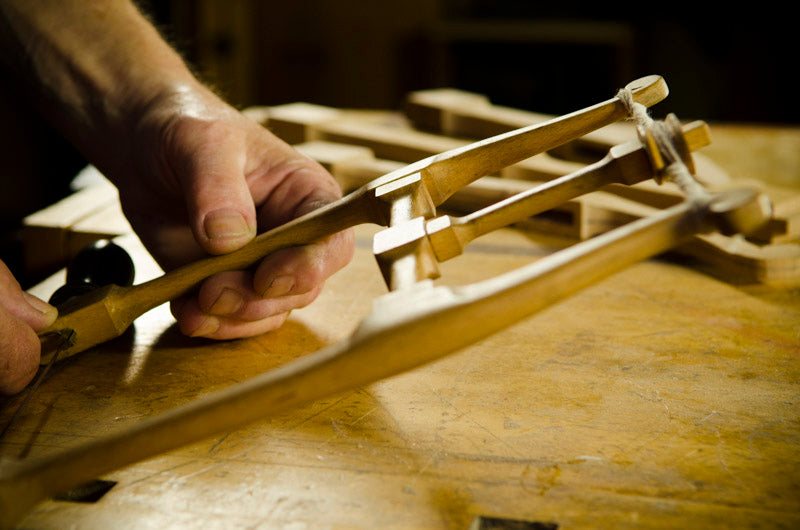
(406, 329)
(649, 417)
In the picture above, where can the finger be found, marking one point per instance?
(194, 322)
(20, 351)
(298, 270)
(290, 272)
(293, 188)
(230, 298)
(231, 294)
(34, 312)
(253, 308)
(210, 163)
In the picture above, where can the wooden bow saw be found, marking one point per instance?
(404, 330)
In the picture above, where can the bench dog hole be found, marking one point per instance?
(499, 523)
(90, 492)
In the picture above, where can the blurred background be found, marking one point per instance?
(541, 56)
(537, 56)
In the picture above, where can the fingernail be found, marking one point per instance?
(229, 301)
(50, 312)
(280, 286)
(226, 223)
(208, 326)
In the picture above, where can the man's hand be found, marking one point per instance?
(204, 179)
(21, 316)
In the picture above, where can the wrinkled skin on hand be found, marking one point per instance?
(204, 179)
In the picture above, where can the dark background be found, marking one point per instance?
(736, 66)
(723, 65)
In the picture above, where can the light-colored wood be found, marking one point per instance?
(48, 240)
(108, 312)
(302, 122)
(772, 156)
(658, 398)
(405, 330)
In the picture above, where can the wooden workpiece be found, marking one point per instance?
(58, 232)
(302, 122)
(659, 397)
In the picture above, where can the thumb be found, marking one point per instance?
(36, 313)
(21, 315)
(19, 353)
(218, 200)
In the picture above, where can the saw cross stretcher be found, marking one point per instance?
(417, 321)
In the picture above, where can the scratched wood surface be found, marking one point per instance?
(661, 397)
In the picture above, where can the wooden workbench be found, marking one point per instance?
(659, 398)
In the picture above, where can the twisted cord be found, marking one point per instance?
(635, 109)
(675, 170)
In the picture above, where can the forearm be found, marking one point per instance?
(92, 66)
(195, 176)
